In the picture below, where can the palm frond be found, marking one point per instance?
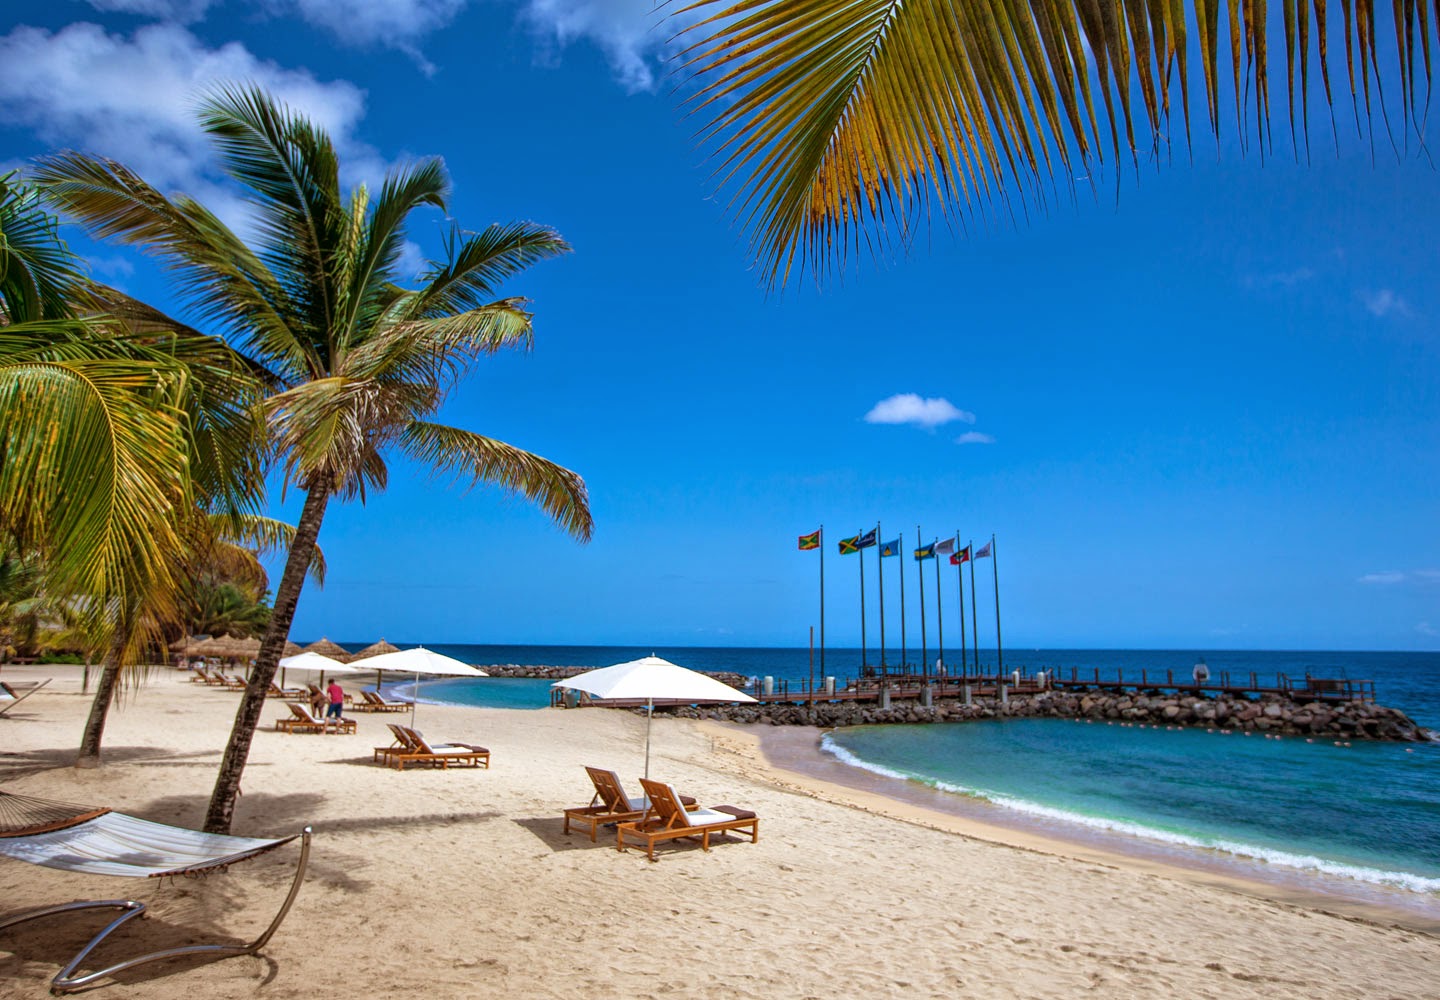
(92, 466)
(39, 275)
(840, 125)
(477, 264)
(481, 460)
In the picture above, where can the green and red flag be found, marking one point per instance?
(849, 545)
(810, 541)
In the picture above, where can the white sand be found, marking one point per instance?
(461, 883)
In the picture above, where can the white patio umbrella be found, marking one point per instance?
(314, 663)
(419, 661)
(651, 677)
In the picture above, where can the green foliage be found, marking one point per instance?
(842, 123)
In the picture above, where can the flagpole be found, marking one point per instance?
(939, 622)
(995, 569)
(901, 554)
(822, 602)
(881, 573)
(924, 648)
(974, 642)
(864, 651)
(960, 580)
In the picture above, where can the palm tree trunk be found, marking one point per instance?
(89, 756)
(247, 716)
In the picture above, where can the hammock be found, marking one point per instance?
(101, 842)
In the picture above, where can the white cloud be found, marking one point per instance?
(178, 11)
(1425, 628)
(1386, 302)
(975, 437)
(909, 408)
(634, 35)
(133, 100)
(396, 24)
(1390, 577)
(1384, 578)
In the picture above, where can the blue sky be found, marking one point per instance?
(1202, 417)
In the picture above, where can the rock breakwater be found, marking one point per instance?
(1348, 720)
(558, 673)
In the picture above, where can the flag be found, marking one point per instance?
(849, 545)
(866, 540)
(945, 548)
(890, 549)
(810, 541)
(928, 552)
(963, 556)
(983, 552)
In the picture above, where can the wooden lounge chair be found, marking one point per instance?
(276, 691)
(213, 678)
(304, 720)
(444, 754)
(234, 682)
(402, 744)
(10, 697)
(610, 804)
(669, 820)
(375, 702)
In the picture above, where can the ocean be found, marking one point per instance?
(1367, 814)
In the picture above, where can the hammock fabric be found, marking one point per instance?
(101, 842)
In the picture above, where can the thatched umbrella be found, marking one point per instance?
(229, 647)
(292, 649)
(189, 646)
(376, 649)
(331, 649)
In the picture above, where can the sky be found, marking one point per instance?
(1196, 408)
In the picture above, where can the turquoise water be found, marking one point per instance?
(1369, 812)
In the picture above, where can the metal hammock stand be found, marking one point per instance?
(98, 841)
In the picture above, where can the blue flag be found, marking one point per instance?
(890, 549)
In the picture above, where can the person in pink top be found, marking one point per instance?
(337, 699)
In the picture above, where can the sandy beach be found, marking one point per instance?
(462, 883)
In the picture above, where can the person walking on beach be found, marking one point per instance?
(337, 699)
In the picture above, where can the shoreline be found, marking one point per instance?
(791, 756)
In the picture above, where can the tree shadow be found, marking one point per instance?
(24, 763)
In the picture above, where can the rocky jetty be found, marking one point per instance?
(555, 673)
(1349, 720)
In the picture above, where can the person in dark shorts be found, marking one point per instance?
(337, 699)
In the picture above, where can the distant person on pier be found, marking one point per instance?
(1201, 673)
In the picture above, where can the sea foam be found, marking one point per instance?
(1303, 862)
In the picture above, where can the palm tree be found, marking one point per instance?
(112, 419)
(361, 362)
(840, 123)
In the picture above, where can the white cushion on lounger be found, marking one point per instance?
(707, 817)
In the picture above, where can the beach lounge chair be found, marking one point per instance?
(402, 744)
(97, 841)
(10, 697)
(610, 804)
(212, 678)
(234, 682)
(423, 752)
(669, 820)
(304, 720)
(373, 701)
(276, 691)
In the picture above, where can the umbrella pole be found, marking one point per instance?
(414, 699)
(649, 717)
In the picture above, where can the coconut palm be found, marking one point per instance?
(840, 123)
(112, 419)
(361, 362)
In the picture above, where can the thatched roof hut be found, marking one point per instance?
(331, 649)
(292, 649)
(375, 649)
